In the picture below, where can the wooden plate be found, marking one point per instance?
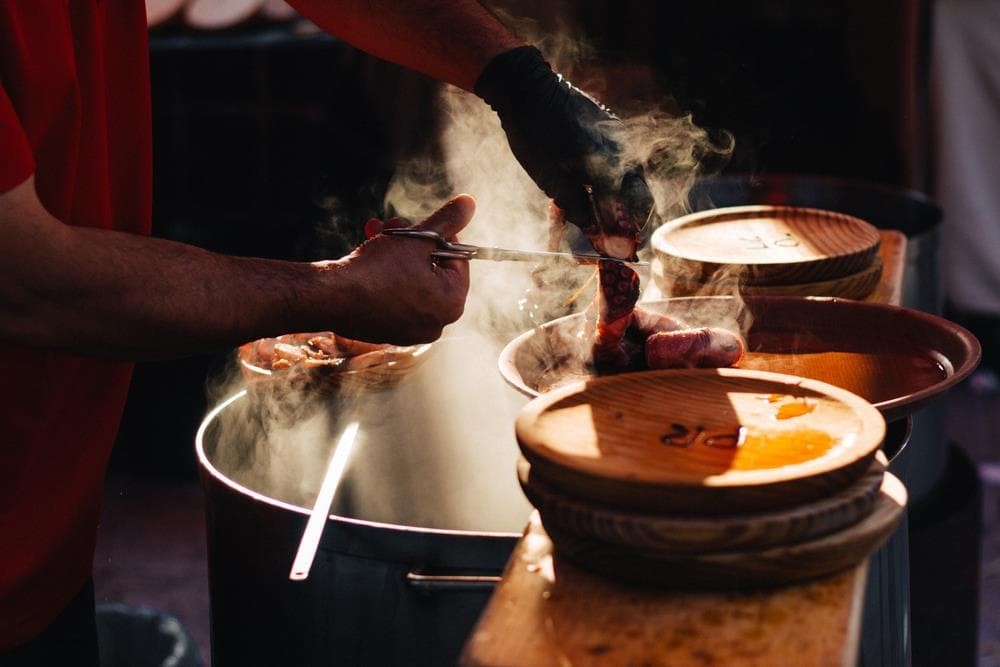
(765, 245)
(896, 358)
(380, 368)
(854, 286)
(699, 441)
(683, 534)
(781, 565)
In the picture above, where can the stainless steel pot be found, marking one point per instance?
(885, 624)
(421, 528)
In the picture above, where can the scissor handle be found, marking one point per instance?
(446, 249)
(452, 254)
(416, 234)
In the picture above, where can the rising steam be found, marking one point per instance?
(439, 449)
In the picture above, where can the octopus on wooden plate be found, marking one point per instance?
(322, 360)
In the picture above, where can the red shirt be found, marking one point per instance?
(75, 110)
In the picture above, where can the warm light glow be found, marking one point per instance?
(317, 519)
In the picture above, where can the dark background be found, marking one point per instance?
(273, 143)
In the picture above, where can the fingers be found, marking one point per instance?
(447, 221)
(452, 217)
(637, 197)
(374, 226)
(577, 207)
(397, 223)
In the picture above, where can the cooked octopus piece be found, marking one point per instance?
(706, 347)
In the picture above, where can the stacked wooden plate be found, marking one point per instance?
(767, 250)
(708, 479)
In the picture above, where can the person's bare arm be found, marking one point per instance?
(127, 296)
(450, 40)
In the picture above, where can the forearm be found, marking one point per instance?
(450, 40)
(127, 296)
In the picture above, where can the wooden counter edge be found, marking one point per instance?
(528, 624)
(892, 252)
(508, 627)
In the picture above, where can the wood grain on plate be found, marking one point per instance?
(699, 441)
(766, 245)
(853, 286)
(670, 534)
(738, 570)
(548, 612)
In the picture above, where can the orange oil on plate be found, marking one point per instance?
(773, 449)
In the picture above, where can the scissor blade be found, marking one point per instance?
(509, 255)
(452, 250)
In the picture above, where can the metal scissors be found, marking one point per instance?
(451, 250)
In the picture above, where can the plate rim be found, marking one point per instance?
(891, 409)
(661, 247)
(872, 425)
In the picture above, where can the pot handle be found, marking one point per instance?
(431, 583)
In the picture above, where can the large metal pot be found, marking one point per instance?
(885, 624)
(423, 523)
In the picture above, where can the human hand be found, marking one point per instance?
(405, 295)
(572, 147)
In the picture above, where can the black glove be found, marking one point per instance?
(571, 146)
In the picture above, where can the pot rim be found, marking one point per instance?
(207, 466)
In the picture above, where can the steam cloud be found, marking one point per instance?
(448, 431)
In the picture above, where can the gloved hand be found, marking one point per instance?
(571, 146)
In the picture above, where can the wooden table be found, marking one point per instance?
(550, 613)
(893, 253)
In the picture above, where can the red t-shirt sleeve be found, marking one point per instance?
(16, 161)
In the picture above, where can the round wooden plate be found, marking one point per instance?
(699, 441)
(765, 245)
(683, 534)
(898, 359)
(781, 565)
(854, 286)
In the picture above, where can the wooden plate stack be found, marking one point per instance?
(708, 479)
(767, 250)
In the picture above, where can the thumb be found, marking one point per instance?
(374, 226)
(451, 218)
